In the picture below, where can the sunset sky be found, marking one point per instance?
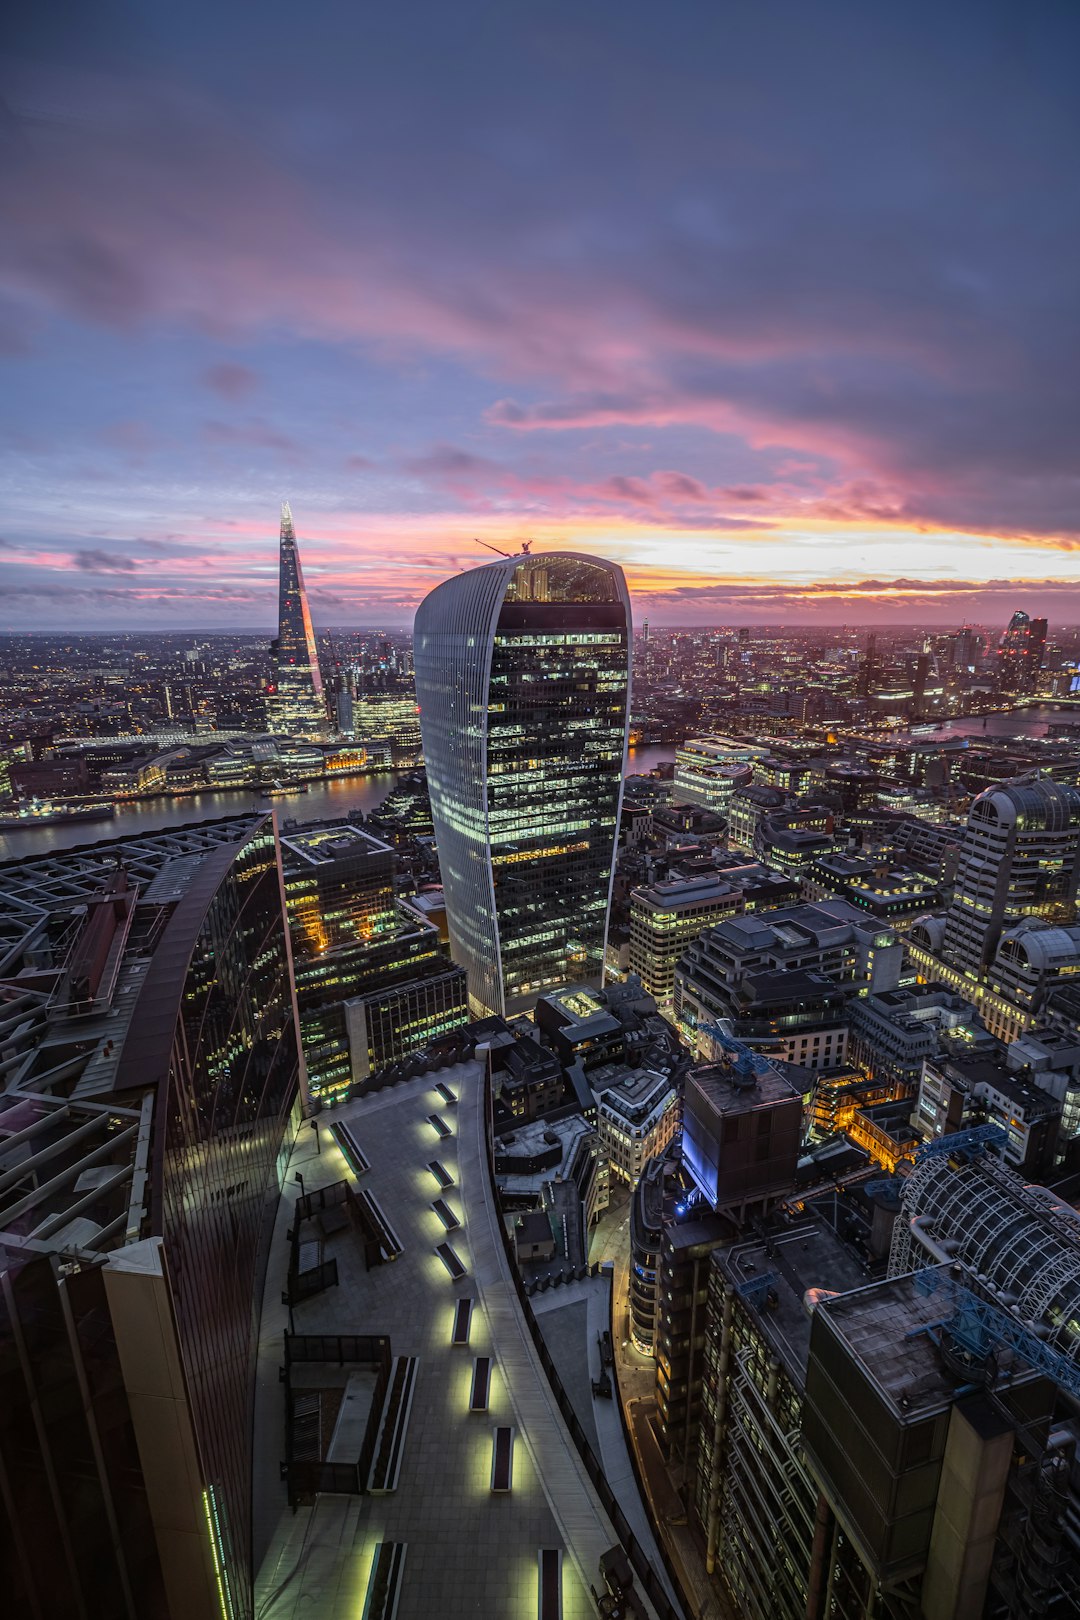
(776, 304)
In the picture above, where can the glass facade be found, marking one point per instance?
(299, 708)
(214, 1027)
(351, 941)
(523, 676)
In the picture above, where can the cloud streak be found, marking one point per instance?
(787, 286)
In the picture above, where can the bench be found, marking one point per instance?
(445, 1214)
(481, 1384)
(384, 1581)
(440, 1125)
(462, 1321)
(389, 1241)
(355, 1156)
(449, 1097)
(451, 1261)
(502, 1458)
(441, 1174)
(549, 1592)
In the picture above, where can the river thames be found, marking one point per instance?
(332, 799)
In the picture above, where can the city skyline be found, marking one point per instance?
(778, 319)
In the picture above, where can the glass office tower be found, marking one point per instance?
(523, 681)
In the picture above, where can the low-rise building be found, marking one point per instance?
(535, 1160)
(637, 1116)
(958, 1093)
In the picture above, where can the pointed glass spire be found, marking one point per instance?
(300, 708)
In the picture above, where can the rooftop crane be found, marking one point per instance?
(526, 547)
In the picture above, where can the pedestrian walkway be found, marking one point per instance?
(469, 1551)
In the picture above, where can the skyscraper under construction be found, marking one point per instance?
(298, 707)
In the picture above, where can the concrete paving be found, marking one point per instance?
(469, 1552)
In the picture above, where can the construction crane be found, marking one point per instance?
(973, 1331)
(526, 547)
(748, 1065)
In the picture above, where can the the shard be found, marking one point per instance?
(298, 708)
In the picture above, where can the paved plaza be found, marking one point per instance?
(469, 1551)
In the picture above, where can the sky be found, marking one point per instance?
(776, 304)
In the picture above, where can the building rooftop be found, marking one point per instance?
(321, 845)
(727, 1094)
(773, 1274)
(631, 1093)
(885, 1328)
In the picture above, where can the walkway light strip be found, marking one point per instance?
(217, 1550)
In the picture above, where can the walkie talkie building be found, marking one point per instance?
(523, 681)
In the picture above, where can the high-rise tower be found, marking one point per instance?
(1020, 653)
(299, 708)
(523, 681)
(1020, 857)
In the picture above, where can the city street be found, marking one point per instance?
(636, 1381)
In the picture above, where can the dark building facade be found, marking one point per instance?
(146, 1121)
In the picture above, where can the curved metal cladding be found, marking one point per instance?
(1018, 1240)
(523, 681)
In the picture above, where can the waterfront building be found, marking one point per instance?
(709, 769)
(1020, 653)
(523, 678)
(665, 917)
(1020, 857)
(298, 705)
(149, 1103)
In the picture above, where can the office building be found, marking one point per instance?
(742, 1125)
(1020, 653)
(149, 1102)
(774, 974)
(1020, 857)
(708, 770)
(891, 1032)
(298, 706)
(374, 980)
(665, 917)
(1020, 1240)
(523, 678)
(959, 1091)
(653, 1203)
(750, 1492)
(637, 1116)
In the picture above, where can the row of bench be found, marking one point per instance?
(388, 1566)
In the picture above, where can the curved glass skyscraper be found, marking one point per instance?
(523, 681)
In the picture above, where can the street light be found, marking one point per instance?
(298, 1177)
